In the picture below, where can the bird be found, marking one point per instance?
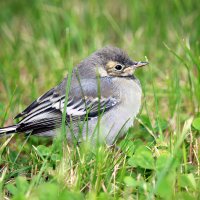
(104, 98)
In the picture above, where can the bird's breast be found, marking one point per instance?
(130, 95)
(121, 117)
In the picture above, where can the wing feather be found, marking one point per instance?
(46, 112)
(37, 104)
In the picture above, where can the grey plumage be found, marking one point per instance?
(102, 86)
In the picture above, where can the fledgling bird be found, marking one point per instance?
(103, 92)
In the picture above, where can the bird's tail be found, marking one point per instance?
(8, 130)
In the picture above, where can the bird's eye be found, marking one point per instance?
(118, 67)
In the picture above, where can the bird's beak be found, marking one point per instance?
(139, 64)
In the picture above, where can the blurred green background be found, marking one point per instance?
(35, 36)
(34, 42)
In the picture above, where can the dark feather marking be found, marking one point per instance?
(35, 103)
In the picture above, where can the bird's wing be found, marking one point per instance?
(84, 102)
(41, 102)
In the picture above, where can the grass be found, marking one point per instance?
(160, 156)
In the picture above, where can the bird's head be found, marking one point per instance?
(109, 62)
